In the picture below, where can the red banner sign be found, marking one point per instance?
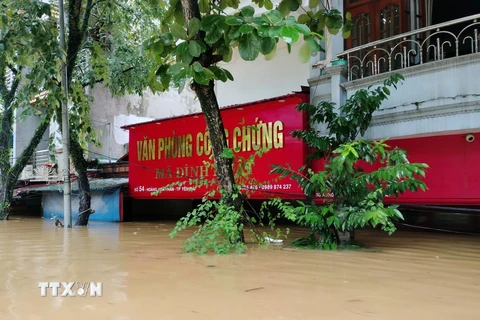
(168, 154)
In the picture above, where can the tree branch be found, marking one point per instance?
(101, 79)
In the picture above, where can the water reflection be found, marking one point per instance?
(145, 276)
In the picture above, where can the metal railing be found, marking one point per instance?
(40, 168)
(417, 47)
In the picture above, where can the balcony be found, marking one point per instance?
(419, 47)
(40, 168)
(440, 94)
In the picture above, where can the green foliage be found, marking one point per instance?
(220, 226)
(212, 37)
(345, 124)
(220, 231)
(29, 59)
(351, 196)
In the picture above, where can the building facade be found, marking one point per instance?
(434, 114)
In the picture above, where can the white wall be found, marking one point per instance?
(263, 79)
(109, 114)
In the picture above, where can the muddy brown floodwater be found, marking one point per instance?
(146, 276)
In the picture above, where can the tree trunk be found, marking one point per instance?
(80, 164)
(209, 104)
(77, 27)
(16, 170)
(216, 131)
(5, 135)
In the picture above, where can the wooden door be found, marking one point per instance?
(374, 20)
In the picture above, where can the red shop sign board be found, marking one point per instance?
(168, 151)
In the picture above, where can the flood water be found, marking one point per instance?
(145, 275)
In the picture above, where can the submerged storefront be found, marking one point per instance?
(107, 199)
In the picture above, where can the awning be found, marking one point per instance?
(95, 185)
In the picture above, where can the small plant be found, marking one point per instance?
(221, 226)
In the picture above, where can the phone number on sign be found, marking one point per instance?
(270, 187)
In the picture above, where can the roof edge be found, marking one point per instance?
(304, 90)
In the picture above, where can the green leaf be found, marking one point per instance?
(268, 5)
(293, 5)
(289, 34)
(249, 46)
(263, 30)
(267, 45)
(248, 11)
(334, 24)
(271, 55)
(305, 52)
(219, 73)
(203, 77)
(274, 32)
(234, 21)
(204, 6)
(314, 46)
(227, 57)
(167, 39)
(234, 3)
(229, 75)
(227, 153)
(330, 220)
(303, 29)
(193, 27)
(178, 31)
(185, 57)
(304, 18)
(347, 29)
(197, 67)
(246, 28)
(176, 68)
(194, 48)
(283, 8)
(212, 22)
(234, 33)
(313, 3)
(272, 17)
(213, 36)
(157, 49)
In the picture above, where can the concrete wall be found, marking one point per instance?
(435, 98)
(109, 114)
(23, 131)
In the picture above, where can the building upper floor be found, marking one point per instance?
(434, 44)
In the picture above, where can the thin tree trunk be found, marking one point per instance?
(15, 171)
(5, 135)
(77, 27)
(80, 164)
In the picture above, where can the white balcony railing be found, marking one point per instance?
(437, 42)
(40, 168)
